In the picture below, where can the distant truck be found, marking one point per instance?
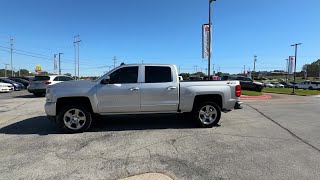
(139, 89)
(311, 85)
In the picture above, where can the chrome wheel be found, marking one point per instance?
(207, 114)
(74, 119)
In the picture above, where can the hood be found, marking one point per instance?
(259, 83)
(5, 84)
(74, 84)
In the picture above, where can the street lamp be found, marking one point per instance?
(209, 54)
(295, 65)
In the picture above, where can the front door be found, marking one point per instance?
(122, 94)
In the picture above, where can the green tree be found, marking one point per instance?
(312, 69)
(201, 74)
(185, 75)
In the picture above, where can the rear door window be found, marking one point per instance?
(57, 78)
(41, 78)
(157, 74)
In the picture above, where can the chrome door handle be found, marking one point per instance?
(171, 88)
(134, 88)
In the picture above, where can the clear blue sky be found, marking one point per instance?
(166, 31)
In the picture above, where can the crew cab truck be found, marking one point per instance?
(139, 89)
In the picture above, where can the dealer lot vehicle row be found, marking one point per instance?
(245, 145)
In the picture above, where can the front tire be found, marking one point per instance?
(74, 118)
(207, 114)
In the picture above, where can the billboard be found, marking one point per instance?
(291, 65)
(205, 40)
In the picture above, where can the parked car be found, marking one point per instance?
(268, 84)
(6, 87)
(17, 86)
(27, 78)
(22, 81)
(286, 84)
(311, 85)
(277, 85)
(39, 84)
(139, 89)
(246, 83)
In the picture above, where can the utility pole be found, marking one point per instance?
(76, 41)
(114, 61)
(287, 69)
(54, 64)
(179, 69)
(254, 63)
(11, 50)
(295, 64)
(319, 68)
(213, 72)
(5, 71)
(19, 72)
(60, 63)
(244, 70)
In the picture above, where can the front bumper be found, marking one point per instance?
(50, 108)
(6, 89)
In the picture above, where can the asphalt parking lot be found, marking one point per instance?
(267, 139)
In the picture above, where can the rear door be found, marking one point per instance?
(159, 92)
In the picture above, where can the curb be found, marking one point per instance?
(148, 176)
(265, 96)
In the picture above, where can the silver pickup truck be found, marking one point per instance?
(139, 89)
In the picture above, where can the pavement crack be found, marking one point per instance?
(286, 129)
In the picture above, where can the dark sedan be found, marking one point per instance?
(19, 80)
(17, 86)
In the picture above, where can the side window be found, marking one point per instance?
(157, 74)
(66, 78)
(56, 78)
(125, 75)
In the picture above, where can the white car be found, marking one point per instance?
(268, 84)
(6, 87)
(278, 85)
(39, 84)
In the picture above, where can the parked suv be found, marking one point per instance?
(39, 84)
(245, 82)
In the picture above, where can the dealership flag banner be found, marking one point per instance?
(291, 64)
(205, 40)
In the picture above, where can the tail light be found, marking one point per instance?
(238, 90)
(46, 82)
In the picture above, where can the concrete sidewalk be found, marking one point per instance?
(148, 176)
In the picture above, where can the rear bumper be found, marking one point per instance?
(36, 90)
(230, 104)
(50, 108)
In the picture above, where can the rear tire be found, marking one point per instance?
(74, 118)
(310, 88)
(38, 94)
(207, 114)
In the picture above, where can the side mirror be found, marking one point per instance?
(106, 80)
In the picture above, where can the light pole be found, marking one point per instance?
(295, 65)
(210, 30)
